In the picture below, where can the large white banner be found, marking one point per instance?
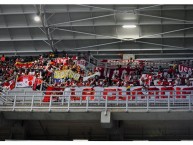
(120, 93)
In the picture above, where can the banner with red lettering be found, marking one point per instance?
(24, 65)
(121, 93)
(54, 92)
(25, 81)
(185, 69)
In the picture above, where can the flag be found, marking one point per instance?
(25, 81)
(9, 85)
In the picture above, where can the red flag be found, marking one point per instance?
(10, 85)
(25, 81)
(37, 82)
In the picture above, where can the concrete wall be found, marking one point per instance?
(88, 125)
(97, 116)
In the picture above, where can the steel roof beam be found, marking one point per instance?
(44, 24)
(82, 37)
(100, 25)
(75, 10)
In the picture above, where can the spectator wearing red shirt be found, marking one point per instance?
(165, 82)
(183, 80)
(3, 58)
(6, 84)
(160, 82)
(171, 71)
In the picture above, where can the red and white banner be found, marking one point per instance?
(50, 92)
(25, 81)
(184, 69)
(118, 93)
(121, 93)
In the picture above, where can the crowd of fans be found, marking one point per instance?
(43, 67)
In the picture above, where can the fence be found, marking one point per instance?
(64, 102)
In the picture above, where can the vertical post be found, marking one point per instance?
(99, 98)
(32, 102)
(117, 97)
(69, 103)
(63, 96)
(87, 101)
(41, 99)
(174, 98)
(50, 104)
(147, 103)
(6, 100)
(190, 103)
(80, 98)
(41, 86)
(106, 103)
(16, 81)
(23, 100)
(14, 103)
(168, 102)
(126, 103)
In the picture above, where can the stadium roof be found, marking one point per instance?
(158, 31)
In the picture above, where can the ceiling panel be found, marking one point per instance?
(4, 34)
(157, 27)
(37, 33)
(7, 46)
(13, 20)
(58, 18)
(20, 33)
(11, 9)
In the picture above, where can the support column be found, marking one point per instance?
(106, 120)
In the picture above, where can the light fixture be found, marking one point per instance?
(129, 26)
(37, 18)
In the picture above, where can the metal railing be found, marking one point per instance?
(60, 101)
